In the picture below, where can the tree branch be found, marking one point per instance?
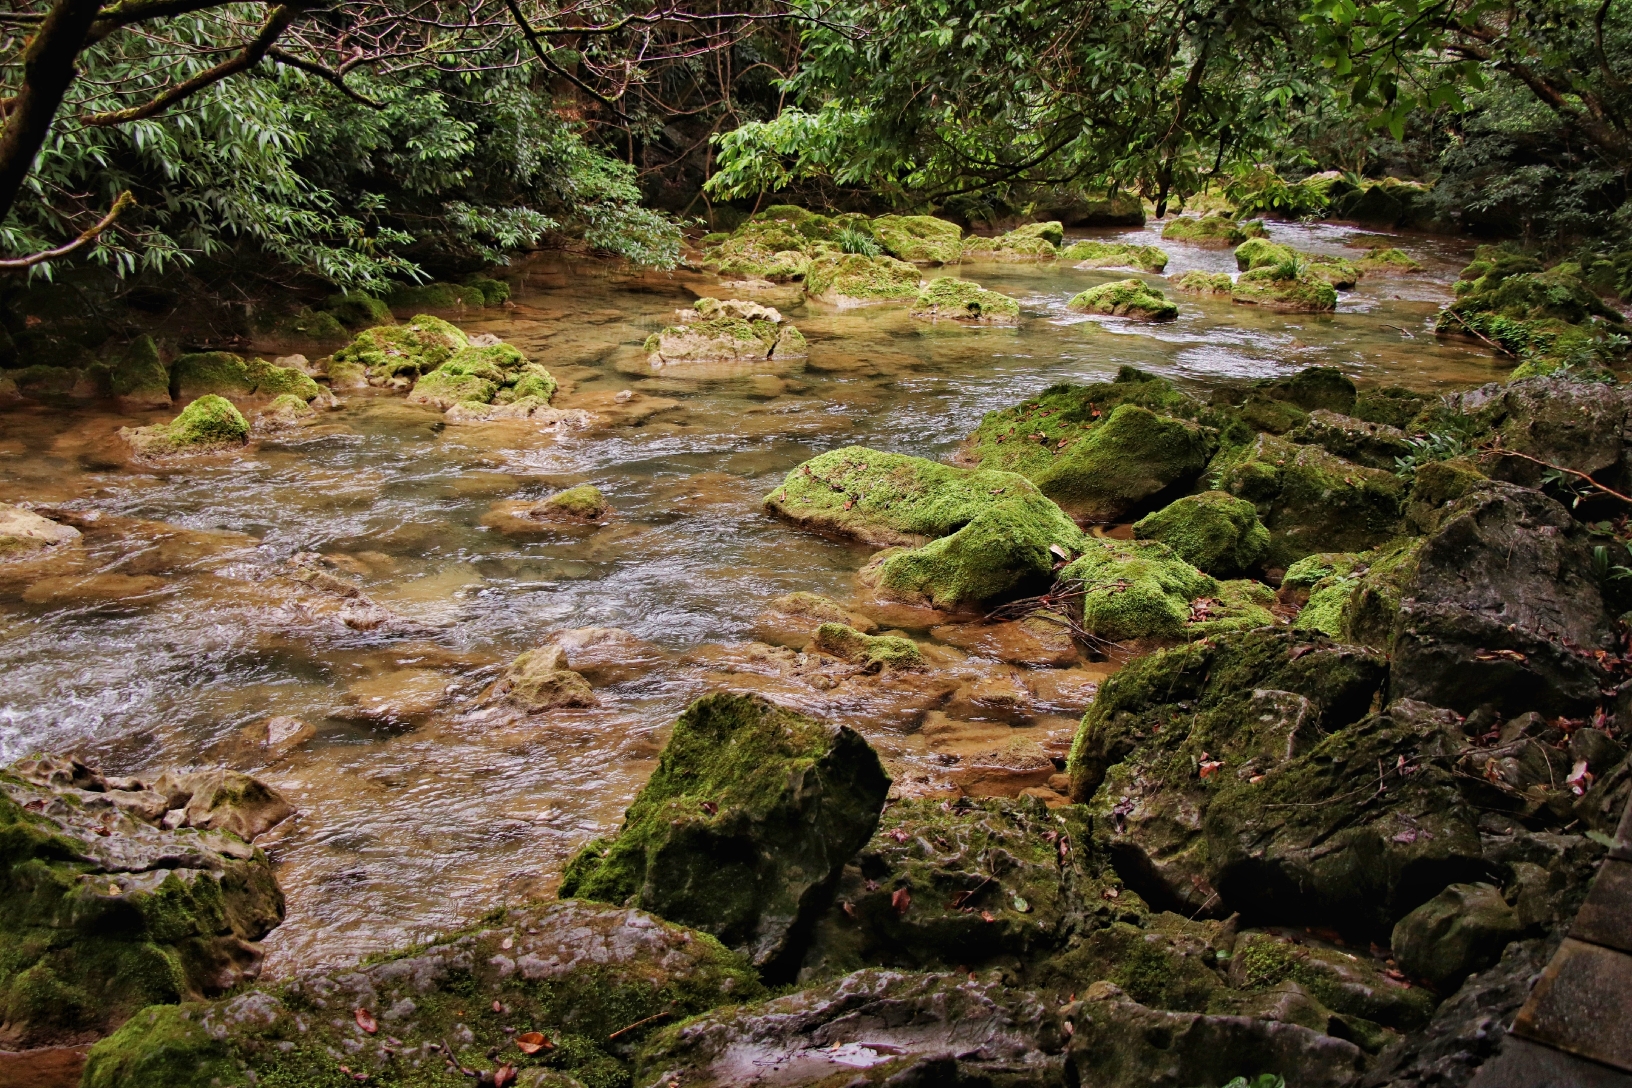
(48, 69)
(334, 77)
(86, 237)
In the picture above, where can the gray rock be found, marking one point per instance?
(1375, 445)
(1461, 930)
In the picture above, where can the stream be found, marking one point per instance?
(420, 806)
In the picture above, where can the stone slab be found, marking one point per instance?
(1581, 1004)
(1606, 916)
(1523, 1064)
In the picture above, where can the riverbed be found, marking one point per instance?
(420, 805)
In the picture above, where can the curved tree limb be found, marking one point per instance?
(334, 77)
(86, 237)
(48, 69)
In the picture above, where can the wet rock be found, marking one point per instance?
(1035, 642)
(1503, 609)
(1348, 983)
(221, 800)
(1375, 445)
(871, 1027)
(1091, 254)
(872, 653)
(356, 310)
(399, 354)
(23, 532)
(1125, 298)
(139, 378)
(730, 331)
(794, 615)
(1394, 405)
(1353, 598)
(849, 280)
(1388, 261)
(1461, 930)
(209, 424)
(750, 814)
(921, 239)
(1132, 590)
(285, 412)
(1197, 282)
(1435, 488)
(973, 535)
(1270, 288)
(281, 734)
(495, 374)
(970, 883)
(583, 505)
(539, 680)
(1031, 242)
(1580, 425)
(1211, 231)
(595, 981)
(951, 299)
(1101, 450)
(607, 655)
(1213, 531)
(106, 913)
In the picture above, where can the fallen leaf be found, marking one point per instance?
(898, 835)
(1069, 1028)
(114, 889)
(1021, 905)
(366, 1021)
(986, 916)
(1109, 893)
(498, 1007)
(1210, 767)
(504, 1076)
(1299, 651)
(849, 908)
(1580, 780)
(901, 900)
(710, 807)
(531, 1042)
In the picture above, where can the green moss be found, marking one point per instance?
(1266, 287)
(921, 239)
(1135, 590)
(1032, 242)
(1092, 254)
(1550, 320)
(435, 296)
(1393, 405)
(1214, 531)
(973, 535)
(494, 292)
(1197, 282)
(1239, 604)
(1313, 388)
(1271, 415)
(1164, 962)
(140, 373)
(1388, 261)
(162, 1047)
(584, 502)
(318, 326)
(1125, 298)
(1216, 231)
(208, 423)
(391, 351)
(1345, 983)
(730, 331)
(451, 383)
(219, 372)
(1340, 272)
(356, 310)
(751, 811)
(852, 278)
(1262, 253)
(963, 300)
(874, 653)
(276, 381)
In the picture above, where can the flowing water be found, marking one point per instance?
(177, 631)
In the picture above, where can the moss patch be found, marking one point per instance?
(207, 424)
(1214, 531)
(1125, 298)
(851, 279)
(1092, 254)
(874, 653)
(1388, 261)
(962, 300)
(1032, 242)
(921, 239)
(356, 310)
(1213, 231)
(1269, 288)
(140, 374)
(403, 351)
(1135, 589)
(1197, 282)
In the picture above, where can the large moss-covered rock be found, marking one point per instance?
(593, 981)
(139, 379)
(1214, 531)
(1205, 284)
(435, 296)
(1393, 405)
(1314, 388)
(1550, 320)
(780, 242)
(102, 911)
(1502, 608)
(851, 279)
(402, 352)
(1262, 253)
(741, 830)
(1125, 298)
(921, 239)
(1349, 983)
(1274, 289)
(1354, 598)
(1375, 445)
(272, 380)
(1213, 231)
(1310, 500)
(485, 374)
(972, 535)
(1461, 930)
(731, 331)
(1388, 261)
(1578, 425)
(1227, 777)
(356, 310)
(207, 425)
(219, 372)
(1134, 590)
(1032, 242)
(1091, 254)
(949, 299)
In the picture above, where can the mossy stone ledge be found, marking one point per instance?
(741, 830)
(1093, 254)
(1205, 284)
(1125, 298)
(951, 299)
(1269, 288)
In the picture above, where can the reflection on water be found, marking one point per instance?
(184, 620)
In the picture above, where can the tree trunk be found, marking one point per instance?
(48, 69)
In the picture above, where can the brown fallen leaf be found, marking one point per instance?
(986, 916)
(498, 1007)
(366, 1021)
(531, 1042)
(1299, 651)
(504, 1076)
(901, 900)
(710, 807)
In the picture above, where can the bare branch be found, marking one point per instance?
(86, 237)
(337, 78)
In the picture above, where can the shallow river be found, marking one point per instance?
(420, 808)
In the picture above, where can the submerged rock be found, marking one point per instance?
(484, 374)
(873, 653)
(1093, 254)
(740, 831)
(1125, 298)
(579, 506)
(1214, 531)
(593, 981)
(972, 535)
(850, 279)
(106, 911)
(23, 532)
(207, 425)
(730, 331)
(953, 299)
(1388, 261)
(921, 239)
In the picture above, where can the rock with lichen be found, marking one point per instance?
(920, 239)
(848, 280)
(1091, 254)
(573, 507)
(742, 828)
(1031, 242)
(540, 680)
(25, 533)
(1214, 231)
(396, 355)
(1278, 287)
(1125, 298)
(872, 653)
(1206, 284)
(209, 424)
(950, 299)
(732, 331)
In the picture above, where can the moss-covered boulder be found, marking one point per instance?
(873, 653)
(1214, 531)
(207, 425)
(572, 508)
(1125, 298)
(1206, 284)
(1375, 445)
(1461, 930)
(1313, 388)
(219, 372)
(1212, 231)
(732, 331)
(103, 911)
(1094, 254)
(1340, 272)
(1102, 450)
(435, 296)
(285, 411)
(1394, 405)
(398, 354)
(921, 239)
(1262, 253)
(1551, 321)
(742, 828)
(1349, 983)
(485, 374)
(851, 279)
(356, 310)
(776, 244)
(1388, 261)
(1354, 598)
(1032, 242)
(494, 292)
(139, 378)
(1310, 500)
(272, 380)
(1274, 288)
(949, 299)
(1134, 590)
(594, 982)
(966, 536)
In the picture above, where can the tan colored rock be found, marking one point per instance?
(23, 532)
(539, 680)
